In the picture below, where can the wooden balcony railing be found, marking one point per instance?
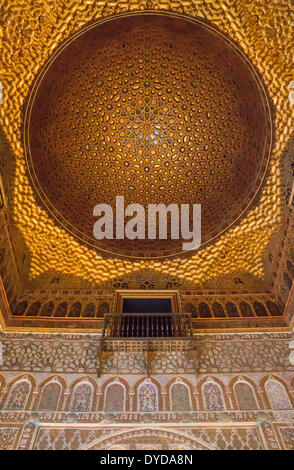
(146, 334)
(147, 325)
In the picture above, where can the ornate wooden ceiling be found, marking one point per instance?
(32, 32)
(154, 107)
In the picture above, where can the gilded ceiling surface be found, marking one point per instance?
(33, 31)
(154, 108)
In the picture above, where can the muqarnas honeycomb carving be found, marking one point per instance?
(156, 108)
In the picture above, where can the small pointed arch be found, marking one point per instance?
(190, 308)
(115, 397)
(47, 309)
(75, 310)
(244, 394)
(232, 309)
(148, 395)
(147, 398)
(82, 397)
(273, 308)
(105, 401)
(218, 310)
(179, 395)
(276, 393)
(74, 387)
(246, 310)
(102, 309)
(52, 393)
(34, 309)
(20, 308)
(19, 392)
(204, 310)
(61, 310)
(18, 396)
(212, 394)
(259, 309)
(89, 310)
(116, 380)
(50, 397)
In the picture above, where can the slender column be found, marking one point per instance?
(65, 399)
(34, 402)
(196, 395)
(229, 395)
(163, 394)
(262, 397)
(99, 404)
(131, 395)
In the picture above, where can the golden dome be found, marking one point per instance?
(156, 108)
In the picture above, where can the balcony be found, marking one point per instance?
(147, 332)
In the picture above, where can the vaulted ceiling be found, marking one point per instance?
(188, 101)
(154, 107)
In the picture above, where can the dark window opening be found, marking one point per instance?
(147, 306)
(157, 321)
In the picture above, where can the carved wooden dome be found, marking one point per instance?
(154, 107)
